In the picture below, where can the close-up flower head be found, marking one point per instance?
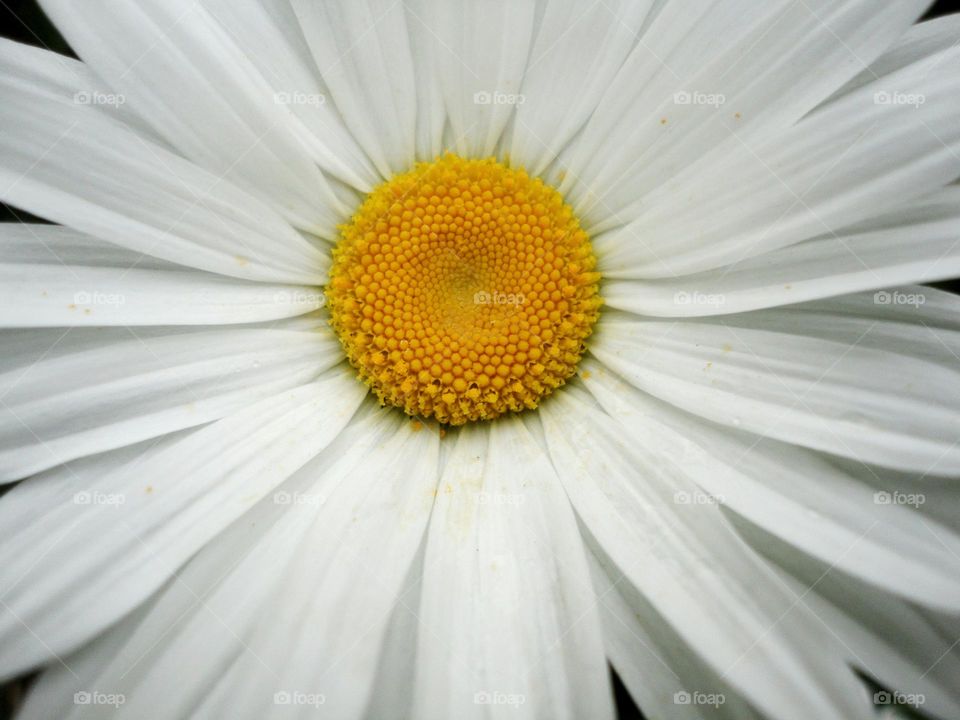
(479, 359)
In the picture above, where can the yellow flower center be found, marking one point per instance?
(463, 289)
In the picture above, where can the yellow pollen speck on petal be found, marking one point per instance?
(463, 289)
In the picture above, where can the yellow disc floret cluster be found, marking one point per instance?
(463, 289)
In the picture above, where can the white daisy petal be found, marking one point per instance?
(182, 71)
(354, 571)
(53, 695)
(657, 668)
(511, 622)
(883, 144)
(378, 492)
(947, 626)
(116, 393)
(480, 50)
(26, 346)
(126, 654)
(885, 637)
(75, 164)
(688, 565)
(784, 382)
(137, 522)
(63, 77)
(920, 42)
(796, 495)
(578, 50)
(362, 50)
(936, 308)
(431, 113)
(919, 242)
(54, 276)
(397, 662)
(913, 320)
(270, 36)
(706, 76)
(941, 501)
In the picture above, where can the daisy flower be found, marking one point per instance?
(429, 358)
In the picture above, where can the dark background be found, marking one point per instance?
(24, 21)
